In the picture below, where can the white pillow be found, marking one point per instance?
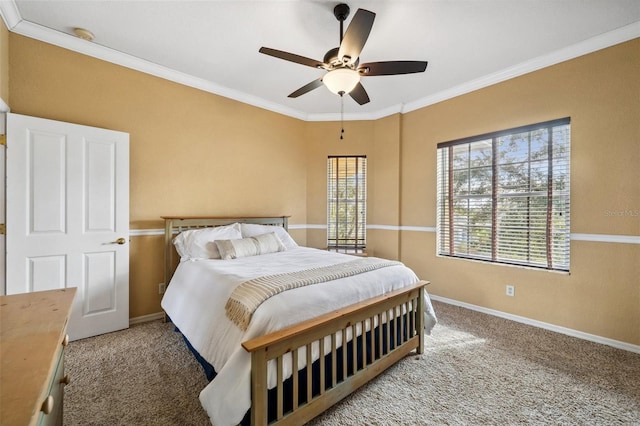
(252, 246)
(253, 229)
(199, 243)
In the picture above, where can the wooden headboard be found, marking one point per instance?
(173, 225)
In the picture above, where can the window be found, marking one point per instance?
(504, 197)
(347, 203)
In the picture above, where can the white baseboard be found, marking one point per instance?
(146, 318)
(558, 329)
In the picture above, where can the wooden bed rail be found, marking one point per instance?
(388, 326)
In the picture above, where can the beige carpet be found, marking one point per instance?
(476, 369)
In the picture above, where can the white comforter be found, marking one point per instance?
(196, 297)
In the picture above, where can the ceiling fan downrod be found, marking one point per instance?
(341, 12)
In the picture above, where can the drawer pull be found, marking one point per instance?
(65, 380)
(65, 341)
(47, 405)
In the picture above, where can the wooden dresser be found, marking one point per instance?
(33, 334)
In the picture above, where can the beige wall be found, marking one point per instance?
(191, 152)
(380, 141)
(601, 94)
(197, 153)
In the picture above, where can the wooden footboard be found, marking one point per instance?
(392, 326)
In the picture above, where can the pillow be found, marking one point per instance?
(252, 246)
(253, 230)
(199, 243)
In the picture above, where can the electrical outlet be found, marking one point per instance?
(161, 288)
(511, 290)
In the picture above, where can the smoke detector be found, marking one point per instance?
(83, 34)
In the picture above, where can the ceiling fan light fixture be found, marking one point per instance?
(341, 80)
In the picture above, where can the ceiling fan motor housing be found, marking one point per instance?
(331, 56)
(341, 12)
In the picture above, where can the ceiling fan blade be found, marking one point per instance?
(307, 88)
(392, 68)
(356, 35)
(359, 94)
(292, 57)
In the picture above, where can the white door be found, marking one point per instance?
(68, 218)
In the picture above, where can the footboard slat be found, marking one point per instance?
(388, 328)
(379, 317)
(363, 328)
(309, 381)
(372, 340)
(294, 363)
(382, 331)
(279, 392)
(322, 367)
(354, 352)
(344, 354)
(402, 321)
(334, 361)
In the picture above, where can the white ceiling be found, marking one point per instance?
(213, 45)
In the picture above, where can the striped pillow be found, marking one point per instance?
(252, 246)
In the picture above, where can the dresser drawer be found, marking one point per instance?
(51, 413)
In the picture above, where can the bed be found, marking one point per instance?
(341, 321)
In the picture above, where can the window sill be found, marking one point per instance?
(508, 265)
(351, 252)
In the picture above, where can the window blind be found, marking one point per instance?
(346, 203)
(504, 196)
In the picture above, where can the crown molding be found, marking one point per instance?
(368, 116)
(67, 41)
(602, 41)
(10, 13)
(16, 24)
(3, 106)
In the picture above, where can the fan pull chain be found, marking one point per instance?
(341, 115)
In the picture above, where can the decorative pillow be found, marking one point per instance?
(199, 243)
(252, 246)
(252, 230)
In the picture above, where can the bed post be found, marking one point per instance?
(259, 405)
(168, 233)
(420, 320)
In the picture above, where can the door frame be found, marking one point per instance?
(4, 109)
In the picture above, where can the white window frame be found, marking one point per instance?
(347, 203)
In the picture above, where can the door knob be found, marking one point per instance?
(47, 405)
(120, 241)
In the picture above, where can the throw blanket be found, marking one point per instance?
(248, 296)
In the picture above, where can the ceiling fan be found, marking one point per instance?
(343, 63)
